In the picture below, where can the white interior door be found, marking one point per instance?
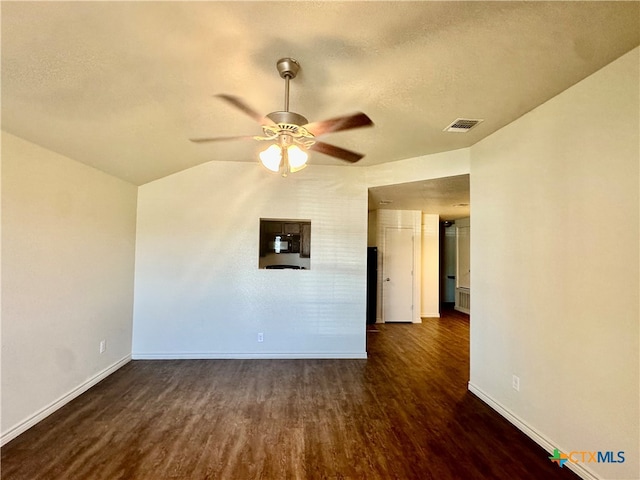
(397, 275)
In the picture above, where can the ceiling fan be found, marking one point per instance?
(291, 134)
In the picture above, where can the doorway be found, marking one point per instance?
(447, 265)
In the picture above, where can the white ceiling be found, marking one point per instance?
(122, 86)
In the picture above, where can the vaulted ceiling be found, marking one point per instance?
(122, 86)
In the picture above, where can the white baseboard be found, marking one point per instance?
(529, 431)
(430, 315)
(243, 356)
(43, 413)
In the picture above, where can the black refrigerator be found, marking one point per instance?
(372, 283)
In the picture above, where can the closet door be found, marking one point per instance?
(397, 275)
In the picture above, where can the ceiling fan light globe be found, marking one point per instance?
(271, 158)
(297, 158)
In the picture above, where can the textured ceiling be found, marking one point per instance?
(121, 86)
(447, 197)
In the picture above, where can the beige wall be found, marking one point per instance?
(554, 277)
(199, 291)
(438, 165)
(430, 285)
(68, 236)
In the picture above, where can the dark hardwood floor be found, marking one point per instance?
(404, 413)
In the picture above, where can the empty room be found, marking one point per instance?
(320, 240)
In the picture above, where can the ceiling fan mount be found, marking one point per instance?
(288, 67)
(291, 134)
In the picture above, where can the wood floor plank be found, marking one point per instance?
(404, 413)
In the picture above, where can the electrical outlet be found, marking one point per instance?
(103, 346)
(260, 337)
(515, 383)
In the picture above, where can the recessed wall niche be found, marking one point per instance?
(285, 244)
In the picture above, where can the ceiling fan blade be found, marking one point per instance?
(243, 107)
(221, 139)
(356, 120)
(338, 152)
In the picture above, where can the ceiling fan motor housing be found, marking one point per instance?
(288, 127)
(290, 118)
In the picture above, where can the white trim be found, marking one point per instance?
(243, 356)
(538, 437)
(43, 413)
(430, 315)
(463, 300)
